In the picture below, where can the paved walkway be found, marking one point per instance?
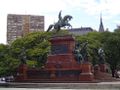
(100, 85)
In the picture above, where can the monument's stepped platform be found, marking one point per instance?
(101, 76)
(98, 86)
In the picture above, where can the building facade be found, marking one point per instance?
(80, 31)
(20, 25)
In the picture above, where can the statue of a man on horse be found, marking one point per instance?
(62, 22)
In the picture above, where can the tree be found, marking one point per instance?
(8, 64)
(112, 50)
(36, 47)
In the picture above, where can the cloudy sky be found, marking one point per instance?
(86, 13)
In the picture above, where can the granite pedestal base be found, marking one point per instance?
(86, 74)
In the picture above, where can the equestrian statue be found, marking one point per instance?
(62, 22)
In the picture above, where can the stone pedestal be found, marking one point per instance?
(61, 62)
(102, 67)
(61, 56)
(22, 73)
(96, 69)
(52, 75)
(86, 74)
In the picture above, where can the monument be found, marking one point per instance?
(66, 62)
(63, 63)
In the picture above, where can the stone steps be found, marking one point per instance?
(100, 85)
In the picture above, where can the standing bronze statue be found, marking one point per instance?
(84, 51)
(101, 56)
(62, 22)
(77, 53)
(81, 52)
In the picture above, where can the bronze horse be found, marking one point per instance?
(62, 22)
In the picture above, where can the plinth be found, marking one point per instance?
(102, 67)
(22, 73)
(86, 74)
(61, 62)
(61, 56)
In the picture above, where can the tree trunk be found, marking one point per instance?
(113, 72)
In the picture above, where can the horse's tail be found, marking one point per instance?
(50, 27)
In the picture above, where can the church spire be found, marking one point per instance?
(101, 27)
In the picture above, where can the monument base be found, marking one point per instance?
(102, 67)
(86, 77)
(22, 73)
(86, 74)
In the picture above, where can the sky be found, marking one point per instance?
(86, 13)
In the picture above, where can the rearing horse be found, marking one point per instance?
(62, 22)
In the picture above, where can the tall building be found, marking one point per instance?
(20, 25)
(80, 31)
(101, 27)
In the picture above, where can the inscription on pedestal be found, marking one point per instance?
(59, 49)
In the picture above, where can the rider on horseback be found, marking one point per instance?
(62, 22)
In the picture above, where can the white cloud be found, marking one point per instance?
(94, 7)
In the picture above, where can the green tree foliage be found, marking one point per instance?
(8, 64)
(36, 47)
(112, 50)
